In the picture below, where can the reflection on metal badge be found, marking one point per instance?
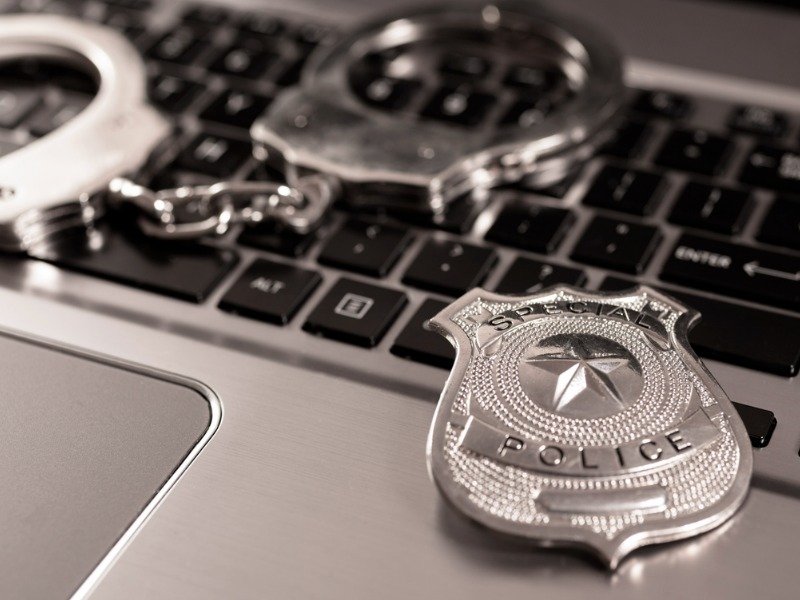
(585, 419)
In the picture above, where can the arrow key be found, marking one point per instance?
(770, 277)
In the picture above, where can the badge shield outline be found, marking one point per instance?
(465, 431)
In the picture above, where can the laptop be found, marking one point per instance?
(245, 415)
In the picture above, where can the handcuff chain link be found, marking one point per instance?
(190, 212)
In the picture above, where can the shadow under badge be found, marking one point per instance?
(584, 419)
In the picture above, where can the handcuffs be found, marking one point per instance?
(329, 143)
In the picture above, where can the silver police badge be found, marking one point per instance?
(585, 419)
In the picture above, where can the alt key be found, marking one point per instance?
(270, 291)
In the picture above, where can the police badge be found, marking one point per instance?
(584, 419)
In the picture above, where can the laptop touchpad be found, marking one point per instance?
(85, 447)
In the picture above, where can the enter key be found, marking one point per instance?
(751, 273)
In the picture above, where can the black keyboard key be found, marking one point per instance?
(70, 79)
(390, 93)
(173, 93)
(276, 238)
(556, 190)
(530, 226)
(16, 104)
(24, 73)
(736, 334)
(235, 108)
(759, 120)
(126, 22)
(449, 267)
(464, 65)
(625, 190)
(290, 69)
(184, 271)
(418, 344)
(53, 116)
(530, 78)
(369, 81)
(379, 61)
(250, 61)
(270, 291)
(526, 276)
(694, 150)
(527, 113)
(181, 45)
(140, 5)
(772, 167)
(356, 313)
(261, 25)
(759, 423)
(365, 247)
(710, 207)
(205, 14)
(314, 34)
(70, 8)
(458, 216)
(662, 104)
(618, 245)
(781, 226)
(461, 106)
(215, 156)
(728, 268)
(628, 140)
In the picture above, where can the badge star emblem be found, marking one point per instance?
(579, 370)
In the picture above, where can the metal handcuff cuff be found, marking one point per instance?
(329, 140)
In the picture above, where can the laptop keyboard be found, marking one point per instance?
(695, 196)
